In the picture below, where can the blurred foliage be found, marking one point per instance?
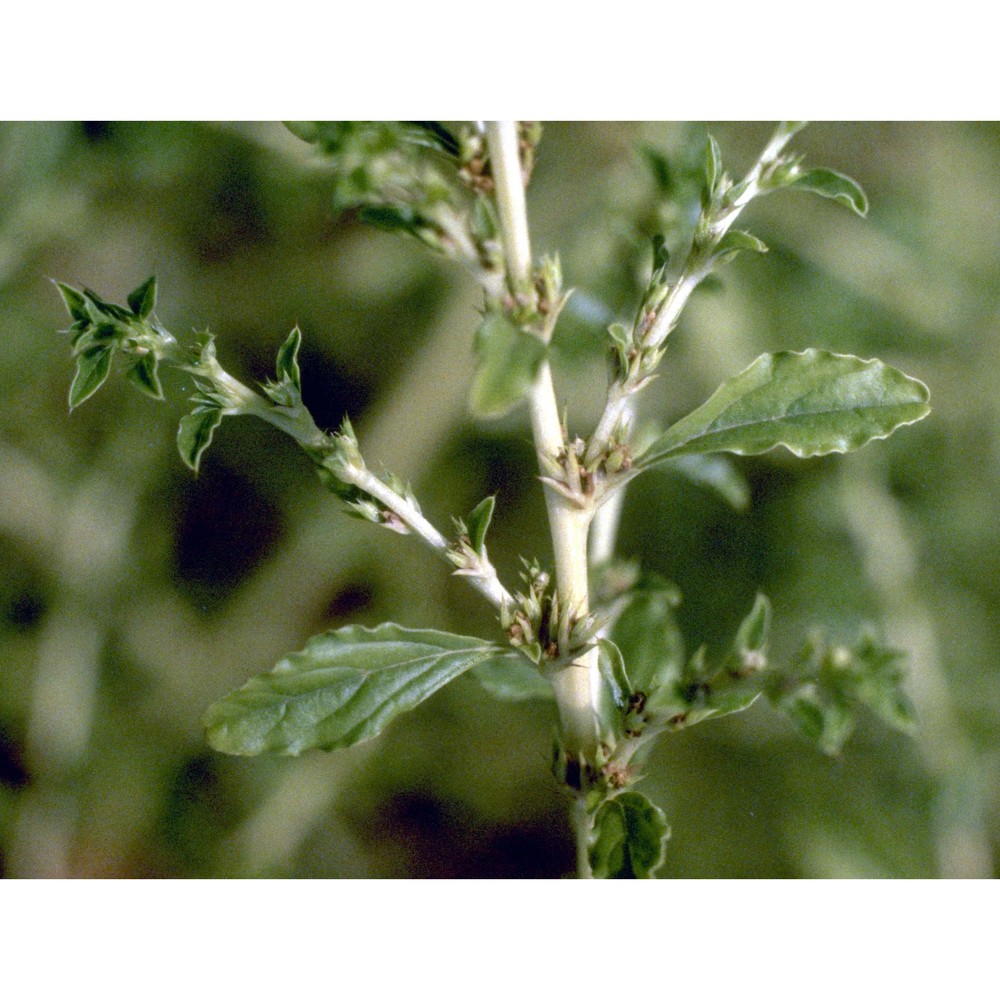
(133, 594)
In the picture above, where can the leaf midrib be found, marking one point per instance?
(785, 418)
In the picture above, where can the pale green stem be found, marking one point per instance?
(298, 423)
(696, 267)
(485, 581)
(568, 524)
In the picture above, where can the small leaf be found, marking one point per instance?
(143, 300)
(307, 131)
(436, 136)
(661, 253)
(287, 363)
(751, 636)
(512, 678)
(144, 374)
(612, 667)
(478, 522)
(812, 403)
(713, 165)
(734, 241)
(507, 360)
(92, 367)
(650, 640)
(344, 687)
(392, 218)
(831, 184)
(76, 304)
(195, 434)
(823, 688)
(716, 472)
(106, 309)
(629, 838)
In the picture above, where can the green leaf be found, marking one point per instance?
(512, 678)
(287, 363)
(629, 838)
(612, 666)
(76, 304)
(751, 636)
(649, 639)
(344, 687)
(614, 697)
(105, 309)
(823, 687)
(144, 374)
(715, 472)
(195, 432)
(390, 217)
(812, 403)
(832, 184)
(143, 300)
(92, 367)
(734, 241)
(713, 165)
(307, 131)
(507, 360)
(661, 253)
(478, 521)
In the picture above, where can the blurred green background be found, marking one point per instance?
(133, 594)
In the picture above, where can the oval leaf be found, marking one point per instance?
(832, 184)
(92, 368)
(195, 434)
(142, 301)
(76, 304)
(345, 686)
(507, 360)
(629, 838)
(812, 403)
(287, 364)
(650, 640)
(144, 374)
(478, 523)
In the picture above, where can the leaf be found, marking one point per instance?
(650, 640)
(143, 300)
(734, 241)
(716, 472)
(823, 687)
(436, 136)
(713, 165)
(661, 253)
(287, 363)
(511, 677)
(144, 374)
(344, 687)
(507, 360)
(832, 184)
(390, 217)
(812, 403)
(478, 522)
(195, 432)
(76, 304)
(629, 838)
(101, 307)
(751, 636)
(612, 667)
(92, 367)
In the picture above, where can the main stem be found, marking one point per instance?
(568, 523)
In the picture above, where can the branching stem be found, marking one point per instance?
(568, 523)
(696, 266)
